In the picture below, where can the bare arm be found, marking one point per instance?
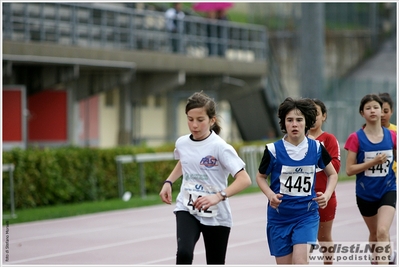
(241, 181)
(332, 180)
(275, 199)
(166, 191)
(352, 167)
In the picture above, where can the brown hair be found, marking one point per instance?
(201, 100)
(386, 98)
(320, 103)
(369, 98)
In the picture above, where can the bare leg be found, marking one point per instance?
(379, 226)
(287, 259)
(385, 217)
(300, 254)
(325, 239)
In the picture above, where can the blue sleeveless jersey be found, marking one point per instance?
(297, 194)
(373, 183)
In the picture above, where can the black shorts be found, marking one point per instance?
(370, 208)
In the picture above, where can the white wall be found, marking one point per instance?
(153, 122)
(109, 121)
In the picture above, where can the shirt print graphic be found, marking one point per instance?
(209, 161)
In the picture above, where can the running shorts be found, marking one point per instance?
(281, 237)
(370, 208)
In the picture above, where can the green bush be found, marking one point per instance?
(66, 175)
(52, 176)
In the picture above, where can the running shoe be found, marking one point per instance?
(393, 260)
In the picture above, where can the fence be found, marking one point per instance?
(140, 159)
(109, 26)
(282, 16)
(343, 104)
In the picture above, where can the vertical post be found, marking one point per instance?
(142, 180)
(125, 118)
(12, 191)
(120, 178)
(73, 110)
(74, 27)
(180, 36)
(7, 25)
(311, 39)
(41, 27)
(10, 169)
(374, 25)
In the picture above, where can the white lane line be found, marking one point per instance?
(200, 252)
(92, 248)
(85, 231)
(97, 215)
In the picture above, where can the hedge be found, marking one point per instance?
(52, 176)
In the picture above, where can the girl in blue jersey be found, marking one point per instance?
(371, 153)
(292, 213)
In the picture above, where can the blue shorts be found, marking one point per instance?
(281, 237)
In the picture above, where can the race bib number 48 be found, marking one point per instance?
(379, 170)
(193, 191)
(297, 181)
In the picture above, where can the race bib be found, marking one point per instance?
(379, 170)
(193, 191)
(297, 181)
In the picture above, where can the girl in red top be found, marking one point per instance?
(331, 144)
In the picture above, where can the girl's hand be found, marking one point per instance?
(206, 201)
(321, 199)
(166, 193)
(380, 158)
(275, 200)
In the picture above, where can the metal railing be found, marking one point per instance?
(110, 26)
(140, 159)
(343, 101)
(10, 169)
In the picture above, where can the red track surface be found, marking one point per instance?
(146, 236)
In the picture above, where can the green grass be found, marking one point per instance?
(61, 211)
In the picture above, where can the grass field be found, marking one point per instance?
(53, 212)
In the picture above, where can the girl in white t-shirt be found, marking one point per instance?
(205, 162)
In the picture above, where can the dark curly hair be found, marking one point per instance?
(305, 105)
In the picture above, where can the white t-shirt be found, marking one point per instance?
(172, 15)
(206, 166)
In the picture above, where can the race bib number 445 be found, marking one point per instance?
(193, 191)
(297, 181)
(379, 170)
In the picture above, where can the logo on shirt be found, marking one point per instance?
(209, 161)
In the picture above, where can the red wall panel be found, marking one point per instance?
(12, 115)
(89, 116)
(48, 116)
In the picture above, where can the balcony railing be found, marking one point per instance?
(113, 27)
